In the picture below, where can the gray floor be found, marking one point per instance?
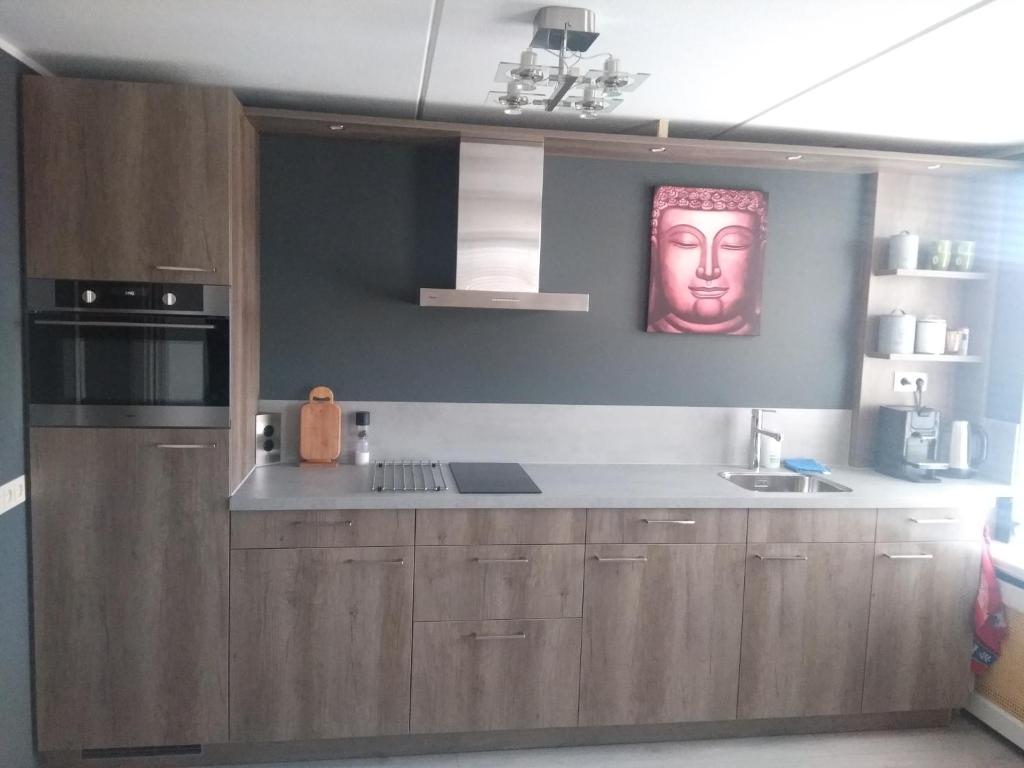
(966, 744)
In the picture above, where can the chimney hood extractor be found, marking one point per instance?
(498, 253)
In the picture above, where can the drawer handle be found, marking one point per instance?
(934, 520)
(638, 559)
(346, 523)
(513, 636)
(781, 557)
(167, 268)
(185, 446)
(486, 560)
(908, 557)
(399, 561)
(668, 522)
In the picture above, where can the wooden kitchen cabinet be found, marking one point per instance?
(128, 181)
(495, 675)
(805, 624)
(321, 642)
(661, 633)
(499, 582)
(130, 586)
(919, 634)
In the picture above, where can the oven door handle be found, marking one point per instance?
(115, 324)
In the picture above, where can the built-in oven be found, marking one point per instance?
(118, 354)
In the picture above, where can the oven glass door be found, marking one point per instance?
(128, 360)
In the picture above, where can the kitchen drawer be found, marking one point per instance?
(274, 529)
(499, 582)
(667, 526)
(930, 524)
(501, 526)
(495, 675)
(798, 526)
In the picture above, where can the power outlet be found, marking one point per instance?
(910, 377)
(12, 494)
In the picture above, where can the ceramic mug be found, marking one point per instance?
(963, 256)
(939, 254)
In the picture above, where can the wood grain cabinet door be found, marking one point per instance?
(805, 626)
(321, 642)
(919, 635)
(126, 181)
(130, 575)
(495, 675)
(661, 633)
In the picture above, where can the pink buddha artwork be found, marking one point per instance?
(707, 261)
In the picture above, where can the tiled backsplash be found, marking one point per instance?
(576, 434)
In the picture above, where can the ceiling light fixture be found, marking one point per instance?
(566, 33)
(934, 166)
(795, 157)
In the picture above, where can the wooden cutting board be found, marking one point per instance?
(320, 428)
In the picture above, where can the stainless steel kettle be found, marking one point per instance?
(968, 448)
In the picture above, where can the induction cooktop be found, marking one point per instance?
(479, 477)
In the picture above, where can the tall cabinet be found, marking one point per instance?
(146, 183)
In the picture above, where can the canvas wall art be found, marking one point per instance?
(707, 261)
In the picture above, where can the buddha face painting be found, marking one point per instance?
(707, 252)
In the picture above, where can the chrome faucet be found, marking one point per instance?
(756, 431)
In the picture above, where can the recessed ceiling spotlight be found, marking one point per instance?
(934, 166)
(337, 127)
(658, 149)
(794, 157)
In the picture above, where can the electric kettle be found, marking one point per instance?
(968, 447)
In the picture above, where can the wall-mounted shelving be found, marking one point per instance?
(922, 358)
(942, 274)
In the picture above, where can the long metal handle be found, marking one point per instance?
(185, 446)
(638, 559)
(934, 520)
(505, 300)
(347, 523)
(514, 636)
(168, 268)
(908, 557)
(781, 557)
(668, 522)
(485, 560)
(115, 324)
(399, 561)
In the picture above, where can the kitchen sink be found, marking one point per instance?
(782, 482)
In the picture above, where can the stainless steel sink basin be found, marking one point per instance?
(783, 482)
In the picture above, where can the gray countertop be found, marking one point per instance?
(289, 486)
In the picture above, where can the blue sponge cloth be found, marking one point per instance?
(807, 466)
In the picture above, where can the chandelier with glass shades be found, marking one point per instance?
(566, 33)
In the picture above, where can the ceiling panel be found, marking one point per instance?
(960, 83)
(712, 63)
(360, 55)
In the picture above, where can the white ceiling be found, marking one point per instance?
(855, 72)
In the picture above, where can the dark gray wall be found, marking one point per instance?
(15, 687)
(351, 231)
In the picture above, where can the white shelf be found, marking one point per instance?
(916, 358)
(944, 274)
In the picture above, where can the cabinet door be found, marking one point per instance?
(661, 633)
(321, 641)
(919, 635)
(494, 675)
(805, 624)
(126, 181)
(130, 575)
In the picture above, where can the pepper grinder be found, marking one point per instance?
(363, 445)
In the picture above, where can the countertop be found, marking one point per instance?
(289, 486)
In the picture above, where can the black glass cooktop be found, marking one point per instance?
(476, 477)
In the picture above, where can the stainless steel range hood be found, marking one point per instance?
(498, 252)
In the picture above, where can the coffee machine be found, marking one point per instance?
(907, 443)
